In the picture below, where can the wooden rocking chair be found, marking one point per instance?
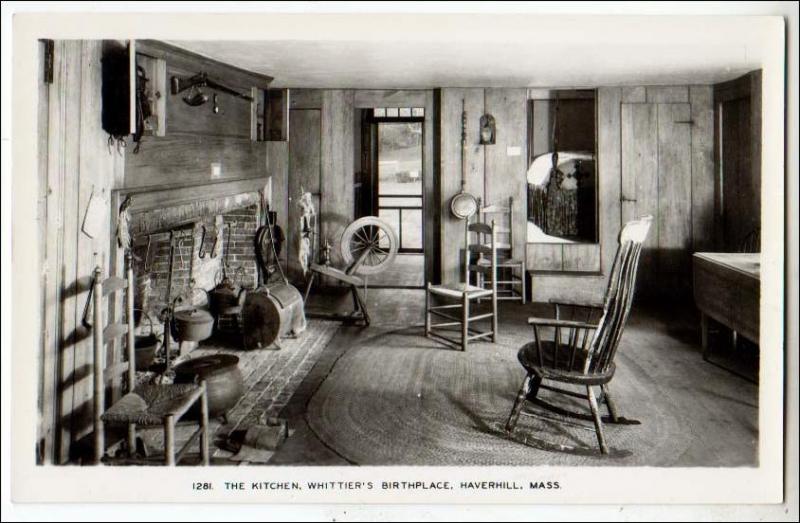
(587, 356)
(144, 405)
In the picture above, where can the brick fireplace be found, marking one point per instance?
(222, 230)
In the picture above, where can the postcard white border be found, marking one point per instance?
(582, 485)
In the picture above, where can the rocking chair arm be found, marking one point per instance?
(550, 322)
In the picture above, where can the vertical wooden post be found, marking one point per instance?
(131, 342)
(466, 252)
(428, 309)
(524, 276)
(204, 423)
(494, 283)
(464, 320)
(131, 346)
(169, 441)
(99, 389)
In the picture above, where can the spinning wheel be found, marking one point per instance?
(370, 241)
(368, 246)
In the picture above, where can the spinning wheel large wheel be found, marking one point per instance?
(369, 245)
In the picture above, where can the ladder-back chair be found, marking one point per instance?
(511, 270)
(479, 257)
(144, 405)
(586, 356)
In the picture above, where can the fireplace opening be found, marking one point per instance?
(203, 252)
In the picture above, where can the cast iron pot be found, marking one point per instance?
(145, 346)
(223, 380)
(192, 324)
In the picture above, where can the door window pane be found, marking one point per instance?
(412, 229)
(400, 158)
(392, 217)
(411, 201)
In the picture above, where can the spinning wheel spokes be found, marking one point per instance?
(370, 242)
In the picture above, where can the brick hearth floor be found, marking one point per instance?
(270, 379)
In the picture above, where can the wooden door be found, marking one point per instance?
(304, 175)
(657, 180)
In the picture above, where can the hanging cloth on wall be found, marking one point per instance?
(124, 239)
(561, 199)
(308, 222)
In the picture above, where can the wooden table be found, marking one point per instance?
(727, 289)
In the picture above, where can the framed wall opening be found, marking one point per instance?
(562, 167)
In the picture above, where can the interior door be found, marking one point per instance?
(657, 180)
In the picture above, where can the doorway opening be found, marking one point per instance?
(391, 187)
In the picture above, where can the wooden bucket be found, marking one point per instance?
(269, 313)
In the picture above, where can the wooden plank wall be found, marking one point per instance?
(278, 172)
(305, 132)
(655, 154)
(184, 159)
(504, 175)
(197, 137)
(493, 174)
(667, 148)
(323, 133)
(336, 175)
(503, 166)
(673, 223)
(79, 163)
(452, 230)
(640, 176)
(702, 106)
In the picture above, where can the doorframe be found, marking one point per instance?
(374, 135)
(429, 100)
(746, 86)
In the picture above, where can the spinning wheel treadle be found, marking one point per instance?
(368, 246)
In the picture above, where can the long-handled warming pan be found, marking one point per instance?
(463, 205)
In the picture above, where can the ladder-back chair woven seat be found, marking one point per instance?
(149, 404)
(484, 249)
(582, 352)
(146, 405)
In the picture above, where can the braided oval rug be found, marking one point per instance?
(399, 398)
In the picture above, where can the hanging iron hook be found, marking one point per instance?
(201, 253)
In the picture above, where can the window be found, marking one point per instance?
(398, 112)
